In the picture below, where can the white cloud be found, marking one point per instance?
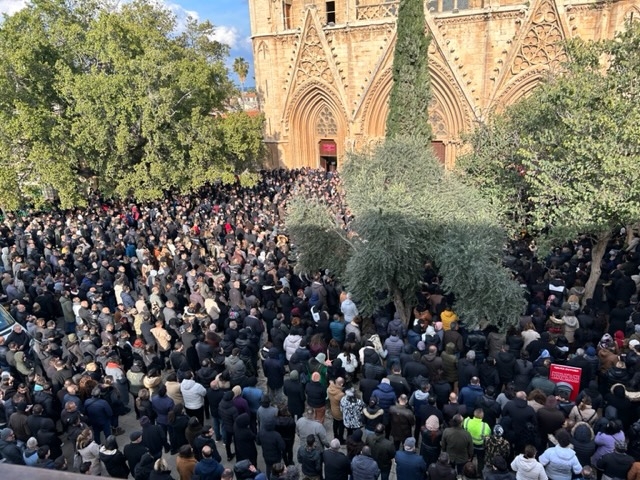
(181, 13)
(11, 6)
(226, 35)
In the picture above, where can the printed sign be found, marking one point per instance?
(566, 375)
(328, 148)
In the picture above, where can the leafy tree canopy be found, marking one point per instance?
(408, 211)
(91, 90)
(568, 155)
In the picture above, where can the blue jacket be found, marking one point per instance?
(410, 465)
(469, 395)
(386, 396)
(364, 468)
(209, 469)
(98, 411)
(337, 330)
(162, 406)
(252, 395)
(559, 463)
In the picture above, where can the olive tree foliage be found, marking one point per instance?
(89, 89)
(408, 210)
(574, 146)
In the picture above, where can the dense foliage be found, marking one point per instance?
(411, 91)
(408, 211)
(567, 157)
(114, 94)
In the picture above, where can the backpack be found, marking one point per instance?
(315, 299)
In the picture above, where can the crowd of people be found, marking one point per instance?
(189, 313)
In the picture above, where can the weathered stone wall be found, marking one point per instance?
(331, 81)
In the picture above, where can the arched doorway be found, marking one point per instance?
(327, 131)
(317, 128)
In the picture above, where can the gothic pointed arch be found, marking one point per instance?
(445, 99)
(538, 46)
(315, 114)
(520, 87)
(313, 60)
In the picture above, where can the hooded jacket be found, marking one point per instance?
(291, 344)
(274, 370)
(208, 469)
(335, 394)
(193, 394)
(364, 468)
(11, 453)
(115, 462)
(528, 468)
(244, 439)
(372, 416)
(386, 396)
(227, 411)
(583, 443)
(273, 445)
(560, 463)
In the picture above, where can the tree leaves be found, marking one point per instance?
(113, 94)
(408, 210)
(576, 140)
(411, 90)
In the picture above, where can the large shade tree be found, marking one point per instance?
(408, 210)
(568, 155)
(114, 94)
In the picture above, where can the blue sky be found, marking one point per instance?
(230, 17)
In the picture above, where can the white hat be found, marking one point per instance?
(634, 343)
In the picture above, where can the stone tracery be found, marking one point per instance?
(313, 62)
(541, 44)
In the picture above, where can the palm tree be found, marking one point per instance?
(241, 68)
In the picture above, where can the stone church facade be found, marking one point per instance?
(323, 68)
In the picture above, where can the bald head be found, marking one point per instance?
(521, 395)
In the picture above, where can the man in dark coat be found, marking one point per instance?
(274, 372)
(228, 414)
(273, 446)
(9, 449)
(134, 451)
(206, 439)
(153, 437)
(382, 451)
(522, 419)
(244, 440)
(99, 414)
(336, 464)
(294, 390)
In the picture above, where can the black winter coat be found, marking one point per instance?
(115, 463)
(294, 390)
(154, 438)
(228, 413)
(316, 394)
(273, 445)
(245, 440)
(336, 465)
(274, 370)
(177, 435)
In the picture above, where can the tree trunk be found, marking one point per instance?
(402, 308)
(596, 265)
(630, 229)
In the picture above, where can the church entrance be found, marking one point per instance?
(328, 151)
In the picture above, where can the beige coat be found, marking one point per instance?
(335, 395)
